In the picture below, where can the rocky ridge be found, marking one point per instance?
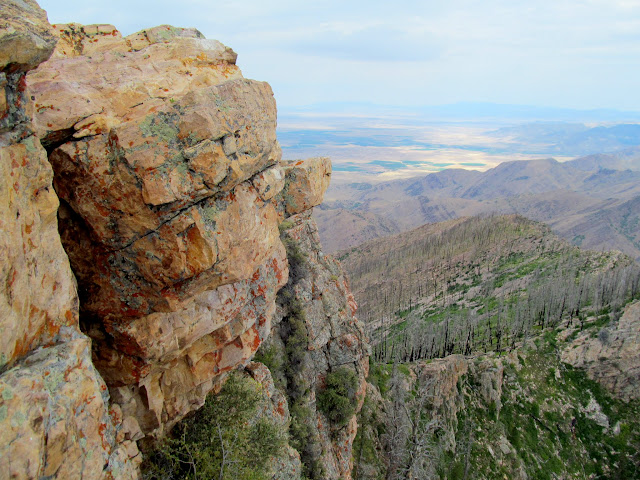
(334, 338)
(521, 415)
(172, 190)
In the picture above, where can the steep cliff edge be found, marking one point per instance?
(315, 337)
(173, 200)
(167, 164)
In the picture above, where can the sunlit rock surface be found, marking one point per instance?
(167, 163)
(54, 416)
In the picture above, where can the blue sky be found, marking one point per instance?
(565, 53)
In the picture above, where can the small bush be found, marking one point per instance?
(272, 356)
(338, 400)
(223, 439)
(603, 336)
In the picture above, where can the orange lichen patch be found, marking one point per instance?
(256, 276)
(259, 290)
(348, 340)
(255, 342)
(115, 414)
(277, 270)
(141, 369)
(104, 211)
(101, 431)
(52, 327)
(13, 277)
(22, 347)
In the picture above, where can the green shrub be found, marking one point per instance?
(223, 439)
(272, 356)
(297, 259)
(338, 399)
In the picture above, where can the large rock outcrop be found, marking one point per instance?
(613, 356)
(54, 417)
(173, 199)
(172, 184)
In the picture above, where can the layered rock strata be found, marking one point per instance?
(54, 417)
(172, 184)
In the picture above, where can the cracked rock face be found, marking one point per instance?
(334, 336)
(172, 190)
(54, 417)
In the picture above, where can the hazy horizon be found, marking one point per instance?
(561, 53)
(412, 88)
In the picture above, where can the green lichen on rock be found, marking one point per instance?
(161, 125)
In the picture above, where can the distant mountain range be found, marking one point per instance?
(572, 138)
(593, 201)
(468, 111)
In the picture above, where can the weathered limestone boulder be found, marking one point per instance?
(172, 190)
(54, 416)
(613, 357)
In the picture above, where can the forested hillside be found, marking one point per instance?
(499, 351)
(479, 284)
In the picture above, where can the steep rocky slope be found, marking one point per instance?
(612, 358)
(317, 311)
(522, 415)
(172, 191)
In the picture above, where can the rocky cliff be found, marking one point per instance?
(612, 357)
(172, 191)
(54, 415)
(315, 333)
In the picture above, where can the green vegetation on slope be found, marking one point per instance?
(338, 399)
(479, 284)
(523, 415)
(511, 297)
(225, 439)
